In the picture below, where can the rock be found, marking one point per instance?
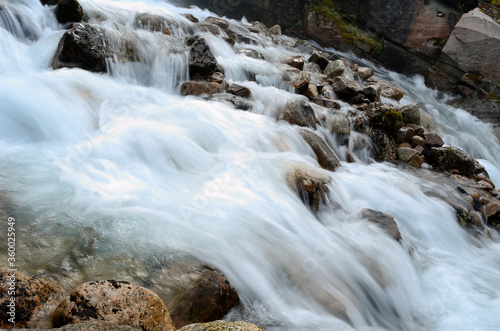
(327, 103)
(417, 141)
(345, 88)
(385, 221)
(202, 62)
(259, 27)
(405, 134)
(194, 293)
(235, 101)
(433, 140)
(217, 77)
(120, 303)
(405, 154)
(416, 161)
(324, 31)
(365, 72)
(411, 114)
(49, 2)
(326, 156)
(152, 22)
(275, 29)
(452, 158)
(339, 124)
(335, 68)
(320, 59)
(385, 146)
(484, 185)
(68, 11)
(35, 299)
(96, 326)
(372, 92)
(311, 91)
(392, 93)
(309, 183)
(223, 24)
(312, 67)
(83, 47)
(385, 118)
(222, 326)
(209, 27)
(492, 214)
(295, 61)
(200, 88)
(300, 81)
(191, 18)
(249, 52)
(299, 112)
(239, 90)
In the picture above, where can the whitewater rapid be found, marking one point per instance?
(113, 175)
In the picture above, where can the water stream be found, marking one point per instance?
(112, 175)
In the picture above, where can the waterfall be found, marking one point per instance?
(117, 166)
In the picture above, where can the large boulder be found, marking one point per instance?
(411, 113)
(310, 184)
(202, 62)
(325, 155)
(385, 118)
(222, 326)
(452, 158)
(35, 299)
(68, 11)
(345, 88)
(194, 293)
(385, 221)
(299, 112)
(335, 68)
(117, 302)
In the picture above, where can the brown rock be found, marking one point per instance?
(416, 161)
(152, 22)
(319, 58)
(433, 140)
(275, 29)
(222, 326)
(417, 141)
(309, 183)
(452, 158)
(345, 88)
(492, 213)
(35, 299)
(300, 81)
(405, 134)
(239, 90)
(385, 118)
(419, 149)
(217, 77)
(120, 303)
(312, 91)
(200, 88)
(372, 92)
(393, 93)
(325, 155)
(385, 221)
(223, 24)
(191, 18)
(365, 72)
(299, 112)
(209, 27)
(202, 62)
(339, 124)
(295, 61)
(405, 154)
(385, 146)
(484, 185)
(327, 103)
(96, 326)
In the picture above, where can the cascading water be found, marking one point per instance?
(112, 175)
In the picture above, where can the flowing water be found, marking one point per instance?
(113, 175)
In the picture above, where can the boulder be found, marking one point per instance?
(83, 47)
(194, 293)
(35, 299)
(416, 161)
(417, 141)
(365, 72)
(223, 24)
(299, 112)
(250, 52)
(309, 183)
(202, 62)
(199, 88)
(405, 154)
(191, 18)
(411, 114)
(452, 158)
(119, 303)
(239, 90)
(385, 221)
(68, 11)
(393, 93)
(433, 140)
(492, 214)
(327, 103)
(372, 92)
(345, 88)
(275, 29)
(326, 156)
(300, 81)
(96, 326)
(385, 146)
(405, 134)
(235, 101)
(222, 326)
(319, 58)
(152, 22)
(295, 61)
(311, 91)
(385, 118)
(312, 67)
(335, 68)
(339, 124)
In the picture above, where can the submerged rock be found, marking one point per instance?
(96, 326)
(295, 61)
(309, 183)
(120, 303)
(385, 221)
(335, 68)
(200, 88)
(223, 24)
(202, 62)
(239, 90)
(452, 158)
(325, 155)
(222, 326)
(153, 22)
(299, 112)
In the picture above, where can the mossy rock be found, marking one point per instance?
(386, 118)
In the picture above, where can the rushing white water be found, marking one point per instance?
(119, 167)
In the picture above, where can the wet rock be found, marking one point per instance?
(223, 24)
(484, 185)
(339, 124)
(312, 67)
(417, 141)
(411, 114)
(120, 303)
(405, 134)
(452, 158)
(324, 31)
(152, 22)
(320, 59)
(385, 146)
(300, 81)
(492, 214)
(35, 299)
(335, 68)
(249, 52)
(416, 161)
(309, 183)
(299, 112)
(259, 27)
(68, 11)
(392, 93)
(96, 326)
(327, 103)
(194, 293)
(275, 29)
(200, 88)
(217, 77)
(385, 221)
(222, 326)
(209, 27)
(365, 72)
(433, 140)
(202, 62)
(49, 2)
(191, 18)
(372, 92)
(295, 61)
(239, 90)
(235, 101)
(326, 156)
(385, 118)
(83, 47)
(345, 88)
(405, 154)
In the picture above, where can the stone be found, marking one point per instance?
(35, 299)
(309, 183)
(295, 61)
(259, 27)
(152, 22)
(194, 293)
(319, 58)
(345, 88)
(452, 158)
(411, 113)
(199, 88)
(433, 140)
(249, 52)
(312, 67)
(416, 161)
(275, 29)
(117, 302)
(405, 134)
(202, 62)
(327, 158)
(335, 68)
(385, 118)
(83, 47)
(484, 185)
(372, 92)
(299, 112)
(327, 103)
(96, 326)
(222, 326)
(492, 213)
(233, 100)
(191, 18)
(405, 154)
(300, 81)
(339, 124)
(417, 141)
(324, 31)
(68, 11)
(209, 27)
(393, 93)
(217, 77)
(239, 90)
(311, 91)
(223, 24)
(384, 221)
(365, 72)
(385, 146)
